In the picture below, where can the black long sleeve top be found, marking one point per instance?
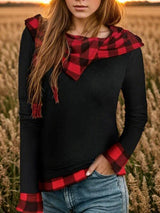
(72, 133)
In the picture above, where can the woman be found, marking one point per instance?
(72, 66)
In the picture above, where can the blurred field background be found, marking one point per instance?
(143, 168)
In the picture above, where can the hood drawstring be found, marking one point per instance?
(37, 110)
(55, 94)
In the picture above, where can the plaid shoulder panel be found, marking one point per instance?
(32, 24)
(117, 157)
(30, 203)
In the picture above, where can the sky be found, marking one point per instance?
(44, 0)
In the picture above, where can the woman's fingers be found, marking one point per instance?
(102, 165)
(92, 167)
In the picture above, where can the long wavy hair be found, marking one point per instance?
(53, 47)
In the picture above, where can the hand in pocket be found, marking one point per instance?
(101, 165)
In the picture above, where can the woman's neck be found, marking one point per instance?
(103, 32)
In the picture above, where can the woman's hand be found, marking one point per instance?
(101, 165)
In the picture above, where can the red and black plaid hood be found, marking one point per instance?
(84, 50)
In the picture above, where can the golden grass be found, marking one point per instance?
(143, 168)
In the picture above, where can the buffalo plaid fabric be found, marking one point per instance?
(30, 203)
(117, 157)
(83, 51)
(33, 203)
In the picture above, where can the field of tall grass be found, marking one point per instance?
(143, 168)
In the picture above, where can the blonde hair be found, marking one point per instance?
(54, 44)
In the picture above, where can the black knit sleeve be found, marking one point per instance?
(29, 128)
(134, 93)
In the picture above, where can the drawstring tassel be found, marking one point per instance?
(55, 94)
(36, 110)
